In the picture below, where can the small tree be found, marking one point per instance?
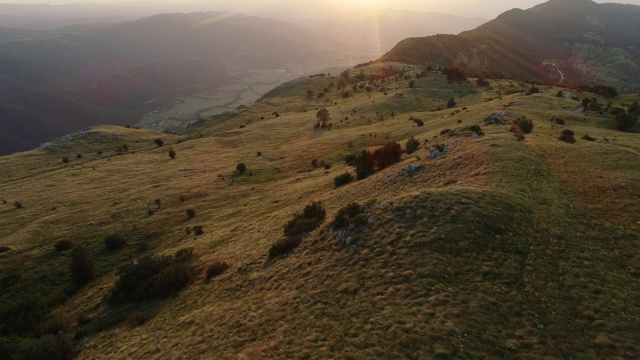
(343, 179)
(172, 154)
(364, 164)
(323, 115)
(82, 266)
(159, 142)
(412, 145)
(241, 167)
(412, 84)
(451, 103)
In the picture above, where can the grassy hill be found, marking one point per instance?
(496, 248)
(559, 41)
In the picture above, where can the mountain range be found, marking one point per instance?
(568, 42)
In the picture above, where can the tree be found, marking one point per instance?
(82, 266)
(412, 84)
(626, 121)
(364, 165)
(412, 145)
(323, 114)
(172, 154)
(309, 94)
(451, 103)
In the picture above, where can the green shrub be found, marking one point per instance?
(4, 249)
(312, 216)
(216, 269)
(172, 154)
(283, 246)
(350, 160)
(567, 136)
(476, 129)
(154, 277)
(525, 125)
(63, 245)
(364, 164)
(626, 121)
(412, 145)
(347, 215)
(197, 230)
(451, 103)
(17, 204)
(114, 242)
(82, 266)
(241, 167)
(48, 347)
(343, 179)
(159, 142)
(191, 213)
(65, 160)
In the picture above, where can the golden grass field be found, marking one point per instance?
(497, 249)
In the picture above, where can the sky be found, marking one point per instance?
(470, 8)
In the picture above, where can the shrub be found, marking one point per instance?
(588, 138)
(114, 242)
(312, 216)
(159, 142)
(4, 249)
(412, 145)
(350, 159)
(567, 136)
(172, 154)
(412, 84)
(387, 155)
(533, 90)
(79, 156)
(58, 347)
(65, 160)
(182, 198)
(343, 179)
(191, 213)
(525, 125)
(364, 164)
(17, 204)
(216, 269)
(451, 103)
(197, 230)
(327, 166)
(154, 277)
(419, 122)
(347, 215)
(82, 266)
(346, 94)
(626, 121)
(559, 121)
(259, 153)
(241, 167)
(63, 245)
(284, 246)
(476, 129)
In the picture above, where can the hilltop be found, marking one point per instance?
(568, 42)
(488, 241)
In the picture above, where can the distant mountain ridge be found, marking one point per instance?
(568, 41)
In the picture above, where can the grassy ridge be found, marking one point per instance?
(498, 248)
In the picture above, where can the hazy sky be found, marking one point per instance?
(478, 8)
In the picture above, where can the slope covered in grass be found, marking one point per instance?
(496, 248)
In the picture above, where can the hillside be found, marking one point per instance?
(495, 248)
(560, 41)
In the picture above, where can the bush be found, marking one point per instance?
(559, 121)
(525, 125)
(159, 142)
(4, 249)
(54, 347)
(567, 136)
(451, 103)
(65, 160)
(284, 246)
(114, 242)
(172, 154)
(419, 122)
(63, 245)
(343, 179)
(350, 159)
(17, 204)
(314, 163)
(626, 121)
(476, 129)
(241, 167)
(197, 230)
(388, 154)
(216, 269)
(82, 266)
(191, 213)
(588, 138)
(412, 145)
(312, 216)
(154, 277)
(364, 164)
(347, 215)
(79, 156)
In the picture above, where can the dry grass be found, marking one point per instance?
(498, 248)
